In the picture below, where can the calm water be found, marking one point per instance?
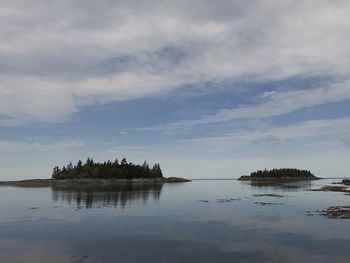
(201, 221)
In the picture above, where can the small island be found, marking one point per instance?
(107, 173)
(107, 170)
(280, 174)
(111, 173)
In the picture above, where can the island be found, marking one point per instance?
(107, 173)
(280, 174)
(107, 170)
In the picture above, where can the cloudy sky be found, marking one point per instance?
(210, 89)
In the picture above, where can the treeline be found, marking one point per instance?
(107, 170)
(283, 172)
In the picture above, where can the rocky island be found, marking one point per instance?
(280, 174)
(100, 174)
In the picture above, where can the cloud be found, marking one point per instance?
(312, 145)
(345, 142)
(38, 99)
(278, 103)
(271, 104)
(56, 58)
(268, 139)
(24, 148)
(312, 129)
(297, 138)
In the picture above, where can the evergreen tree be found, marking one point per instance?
(124, 162)
(56, 173)
(107, 170)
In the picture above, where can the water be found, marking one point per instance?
(200, 221)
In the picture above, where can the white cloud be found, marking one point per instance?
(57, 57)
(278, 103)
(312, 129)
(24, 148)
(271, 104)
(29, 98)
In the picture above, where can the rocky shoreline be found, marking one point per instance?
(89, 182)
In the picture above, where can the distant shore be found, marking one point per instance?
(285, 174)
(89, 182)
(249, 178)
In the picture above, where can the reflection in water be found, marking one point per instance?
(280, 185)
(103, 196)
(178, 229)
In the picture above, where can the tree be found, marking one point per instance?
(56, 173)
(70, 166)
(124, 162)
(107, 170)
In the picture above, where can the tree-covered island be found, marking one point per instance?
(107, 170)
(283, 173)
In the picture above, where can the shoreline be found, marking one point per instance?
(90, 182)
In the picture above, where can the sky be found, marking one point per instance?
(209, 89)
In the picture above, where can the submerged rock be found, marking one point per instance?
(336, 212)
(176, 180)
(346, 182)
(228, 200)
(268, 195)
(332, 188)
(265, 204)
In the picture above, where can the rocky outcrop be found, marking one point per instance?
(89, 182)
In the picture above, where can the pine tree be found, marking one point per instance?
(107, 170)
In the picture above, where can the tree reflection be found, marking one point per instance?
(279, 185)
(106, 196)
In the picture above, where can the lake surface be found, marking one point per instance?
(200, 221)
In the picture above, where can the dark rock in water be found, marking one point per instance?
(336, 212)
(268, 195)
(310, 213)
(346, 181)
(265, 204)
(332, 188)
(176, 180)
(228, 200)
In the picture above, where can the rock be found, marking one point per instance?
(265, 204)
(90, 182)
(177, 180)
(332, 188)
(346, 181)
(268, 195)
(336, 212)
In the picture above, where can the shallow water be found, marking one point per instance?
(200, 221)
